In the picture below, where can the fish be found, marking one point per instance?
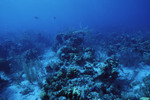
(54, 17)
(36, 17)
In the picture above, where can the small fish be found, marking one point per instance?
(36, 17)
(54, 17)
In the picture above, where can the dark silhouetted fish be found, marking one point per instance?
(36, 17)
(54, 17)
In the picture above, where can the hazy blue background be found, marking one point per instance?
(18, 15)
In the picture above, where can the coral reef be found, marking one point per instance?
(4, 65)
(73, 50)
(146, 88)
(108, 68)
(81, 76)
(4, 81)
(136, 46)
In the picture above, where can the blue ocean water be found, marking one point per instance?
(74, 49)
(57, 15)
